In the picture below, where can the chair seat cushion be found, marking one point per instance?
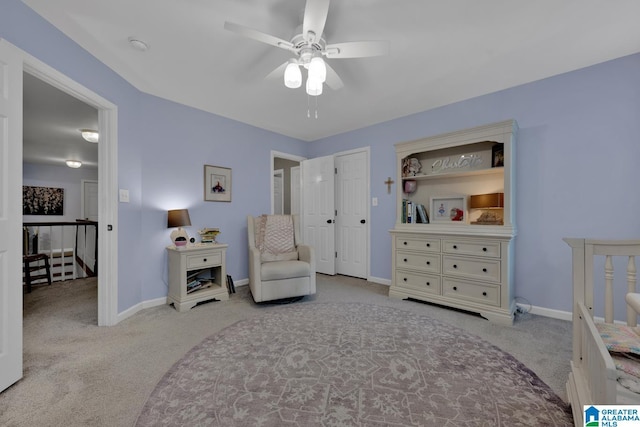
(284, 270)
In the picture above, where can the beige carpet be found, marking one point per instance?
(78, 374)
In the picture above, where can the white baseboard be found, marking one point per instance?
(140, 306)
(379, 280)
(547, 312)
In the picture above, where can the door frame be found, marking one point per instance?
(107, 181)
(280, 174)
(280, 155)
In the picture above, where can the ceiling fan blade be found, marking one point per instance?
(315, 17)
(333, 80)
(258, 35)
(357, 49)
(278, 73)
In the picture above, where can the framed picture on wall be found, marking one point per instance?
(42, 200)
(217, 184)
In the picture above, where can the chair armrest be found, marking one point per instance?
(307, 253)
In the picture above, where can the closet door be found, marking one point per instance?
(318, 218)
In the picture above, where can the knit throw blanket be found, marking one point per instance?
(275, 239)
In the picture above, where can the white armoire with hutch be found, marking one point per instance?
(453, 239)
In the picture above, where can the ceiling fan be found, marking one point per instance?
(309, 47)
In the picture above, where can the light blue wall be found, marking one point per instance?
(577, 167)
(162, 147)
(576, 170)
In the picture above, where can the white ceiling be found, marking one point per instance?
(440, 52)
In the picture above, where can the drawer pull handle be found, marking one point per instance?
(455, 266)
(484, 249)
(455, 288)
(484, 294)
(204, 260)
(455, 246)
(405, 260)
(428, 283)
(428, 262)
(484, 270)
(428, 245)
(405, 279)
(404, 243)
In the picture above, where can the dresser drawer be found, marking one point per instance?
(418, 243)
(204, 260)
(479, 269)
(424, 262)
(476, 292)
(469, 247)
(420, 282)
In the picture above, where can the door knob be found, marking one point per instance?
(329, 221)
(363, 221)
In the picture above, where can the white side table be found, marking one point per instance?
(197, 273)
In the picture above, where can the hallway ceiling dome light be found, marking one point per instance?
(90, 135)
(75, 164)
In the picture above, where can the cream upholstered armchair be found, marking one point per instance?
(279, 267)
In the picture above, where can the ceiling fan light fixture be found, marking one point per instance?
(317, 69)
(314, 87)
(90, 135)
(292, 76)
(75, 164)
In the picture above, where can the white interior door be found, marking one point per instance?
(10, 215)
(352, 214)
(318, 228)
(295, 190)
(89, 200)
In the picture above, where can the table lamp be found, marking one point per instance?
(178, 218)
(492, 207)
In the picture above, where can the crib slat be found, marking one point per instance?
(608, 289)
(632, 316)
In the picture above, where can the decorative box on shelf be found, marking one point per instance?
(451, 184)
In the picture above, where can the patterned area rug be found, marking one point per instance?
(349, 365)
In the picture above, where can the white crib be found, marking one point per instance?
(594, 378)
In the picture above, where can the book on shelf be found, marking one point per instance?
(422, 214)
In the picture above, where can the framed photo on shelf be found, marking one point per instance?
(217, 184)
(449, 209)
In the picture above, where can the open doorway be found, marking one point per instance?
(107, 299)
(285, 183)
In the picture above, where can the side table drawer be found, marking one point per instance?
(426, 262)
(421, 282)
(467, 247)
(476, 292)
(418, 243)
(479, 269)
(204, 260)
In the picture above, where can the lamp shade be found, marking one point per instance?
(317, 69)
(292, 76)
(178, 218)
(314, 87)
(487, 201)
